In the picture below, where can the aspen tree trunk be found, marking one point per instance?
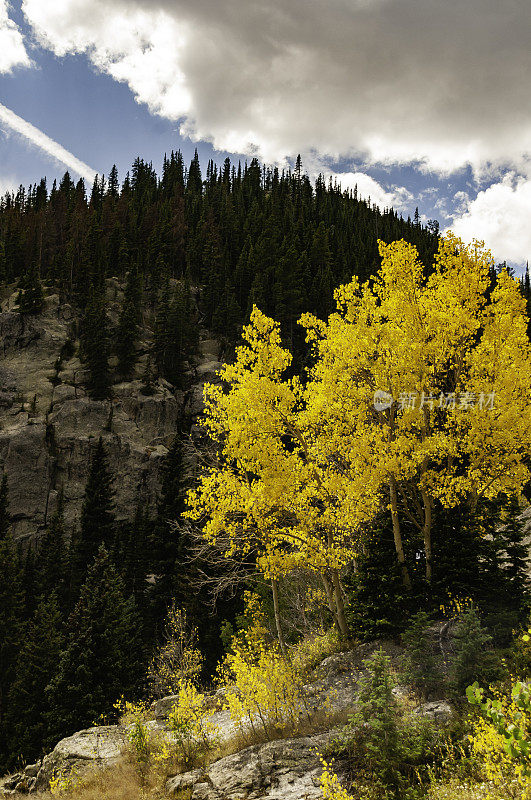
(397, 534)
(330, 599)
(340, 605)
(278, 622)
(426, 534)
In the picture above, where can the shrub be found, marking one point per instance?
(306, 655)
(264, 690)
(419, 667)
(387, 755)
(502, 737)
(472, 660)
(178, 658)
(65, 782)
(134, 717)
(330, 785)
(191, 724)
(370, 739)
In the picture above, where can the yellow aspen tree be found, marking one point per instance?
(268, 494)
(453, 371)
(419, 394)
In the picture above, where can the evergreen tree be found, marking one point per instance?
(95, 347)
(148, 378)
(511, 539)
(135, 555)
(3, 265)
(53, 568)
(168, 546)
(128, 326)
(101, 658)
(30, 299)
(195, 182)
(378, 604)
(113, 184)
(29, 712)
(11, 634)
(97, 516)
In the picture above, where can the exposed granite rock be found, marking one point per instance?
(48, 425)
(287, 769)
(86, 750)
(440, 711)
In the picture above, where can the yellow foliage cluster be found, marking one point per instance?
(303, 465)
(189, 719)
(264, 690)
(455, 606)
(330, 785)
(64, 782)
(313, 649)
(178, 658)
(503, 772)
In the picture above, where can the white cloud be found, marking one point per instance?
(399, 197)
(39, 139)
(12, 50)
(440, 84)
(500, 216)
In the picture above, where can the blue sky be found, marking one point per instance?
(418, 104)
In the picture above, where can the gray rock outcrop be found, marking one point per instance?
(94, 748)
(48, 425)
(287, 769)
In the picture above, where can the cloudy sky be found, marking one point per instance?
(421, 103)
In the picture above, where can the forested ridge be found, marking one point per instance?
(82, 609)
(245, 235)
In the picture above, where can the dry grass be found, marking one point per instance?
(120, 782)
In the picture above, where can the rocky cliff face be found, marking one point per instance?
(48, 424)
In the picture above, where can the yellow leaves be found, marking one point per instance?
(490, 745)
(188, 718)
(263, 690)
(304, 466)
(330, 785)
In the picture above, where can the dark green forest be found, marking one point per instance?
(80, 610)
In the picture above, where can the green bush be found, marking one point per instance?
(387, 755)
(473, 658)
(419, 667)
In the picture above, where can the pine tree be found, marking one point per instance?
(135, 552)
(128, 326)
(52, 562)
(148, 378)
(3, 264)
(30, 299)
(97, 517)
(95, 347)
(511, 539)
(113, 184)
(378, 604)
(11, 633)
(101, 658)
(195, 182)
(28, 708)
(168, 546)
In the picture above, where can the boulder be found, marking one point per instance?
(93, 748)
(440, 711)
(161, 708)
